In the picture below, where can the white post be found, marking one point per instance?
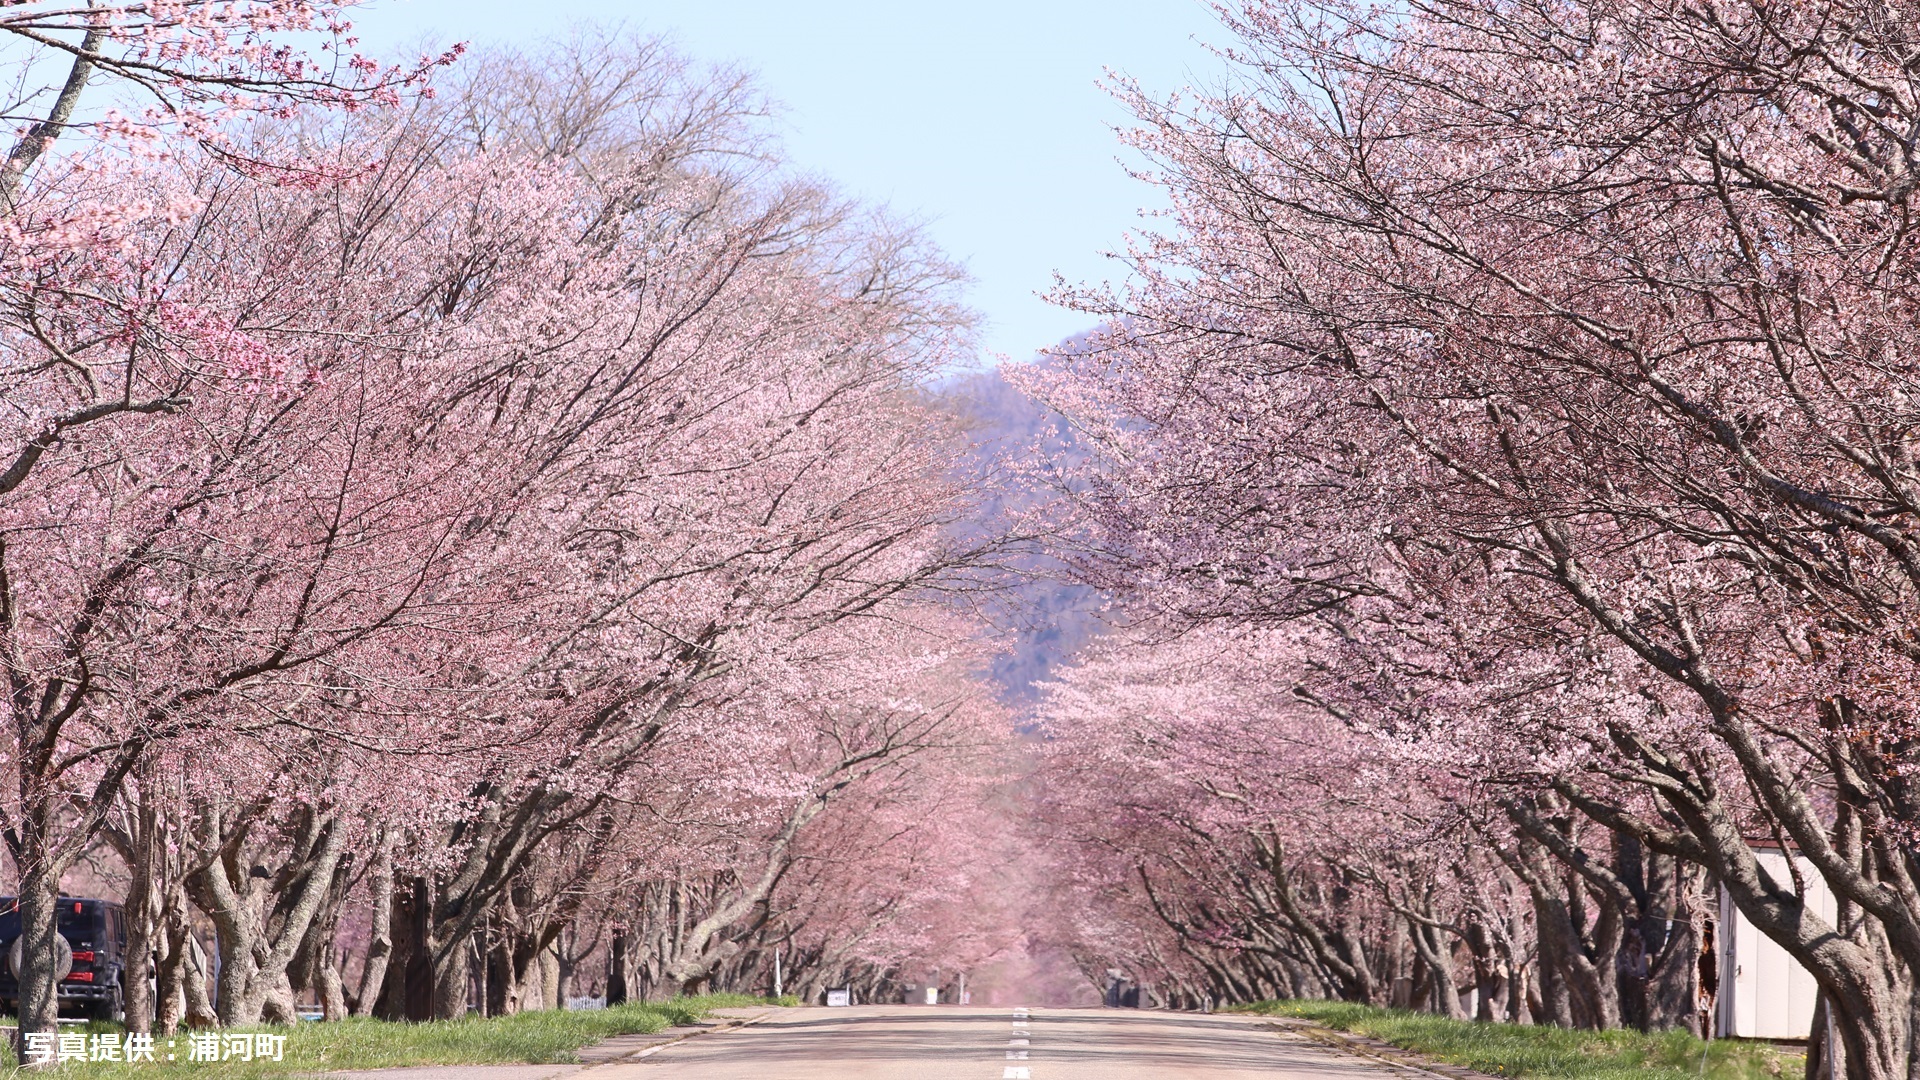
(776, 970)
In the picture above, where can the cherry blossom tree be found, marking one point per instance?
(96, 335)
(186, 67)
(1192, 784)
(845, 842)
(154, 574)
(707, 499)
(1594, 307)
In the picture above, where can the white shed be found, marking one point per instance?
(1764, 993)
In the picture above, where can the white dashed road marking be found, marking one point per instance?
(1018, 1072)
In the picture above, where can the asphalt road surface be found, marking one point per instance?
(893, 1042)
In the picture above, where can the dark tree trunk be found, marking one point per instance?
(617, 969)
(418, 978)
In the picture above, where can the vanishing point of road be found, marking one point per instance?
(892, 1042)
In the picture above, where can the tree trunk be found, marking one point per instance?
(39, 1001)
(143, 914)
(1592, 961)
(417, 992)
(257, 947)
(551, 989)
(1676, 893)
(451, 980)
(316, 963)
(182, 991)
(1436, 957)
(200, 1005)
(1550, 925)
(373, 974)
(617, 969)
(1488, 978)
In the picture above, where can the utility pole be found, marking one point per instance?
(776, 970)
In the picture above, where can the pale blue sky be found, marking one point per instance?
(981, 117)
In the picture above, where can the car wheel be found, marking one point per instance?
(62, 956)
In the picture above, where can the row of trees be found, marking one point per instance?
(1226, 837)
(447, 536)
(1508, 445)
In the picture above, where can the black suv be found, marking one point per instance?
(97, 932)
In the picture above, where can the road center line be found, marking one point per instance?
(1018, 1072)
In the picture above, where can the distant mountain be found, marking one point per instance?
(1046, 619)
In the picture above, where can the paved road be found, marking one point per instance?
(973, 1043)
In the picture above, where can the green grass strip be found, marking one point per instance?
(1548, 1053)
(527, 1038)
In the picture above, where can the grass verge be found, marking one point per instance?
(1548, 1053)
(528, 1038)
